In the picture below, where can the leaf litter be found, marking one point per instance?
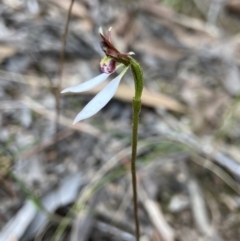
(188, 161)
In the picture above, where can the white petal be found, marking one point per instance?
(101, 99)
(100, 30)
(88, 85)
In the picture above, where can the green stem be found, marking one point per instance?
(136, 111)
(138, 78)
(136, 104)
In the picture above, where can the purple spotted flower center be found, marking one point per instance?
(108, 65)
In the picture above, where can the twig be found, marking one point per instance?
(61, 62)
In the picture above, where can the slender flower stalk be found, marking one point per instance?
(109, 64)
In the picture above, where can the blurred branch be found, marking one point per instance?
(61, 63)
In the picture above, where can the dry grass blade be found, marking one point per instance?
(217, 171)
(123, 206)
(156, 216)
(88, 191)
(200, 212)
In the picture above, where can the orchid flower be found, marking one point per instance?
(108, 66)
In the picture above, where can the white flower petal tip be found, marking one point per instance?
(101, 99)
(76, 121)
(131, 53)
(88, 85)
(100, 30)
(110, 29)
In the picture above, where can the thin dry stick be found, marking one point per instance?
(61, 62)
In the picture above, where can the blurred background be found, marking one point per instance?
(65, 182)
